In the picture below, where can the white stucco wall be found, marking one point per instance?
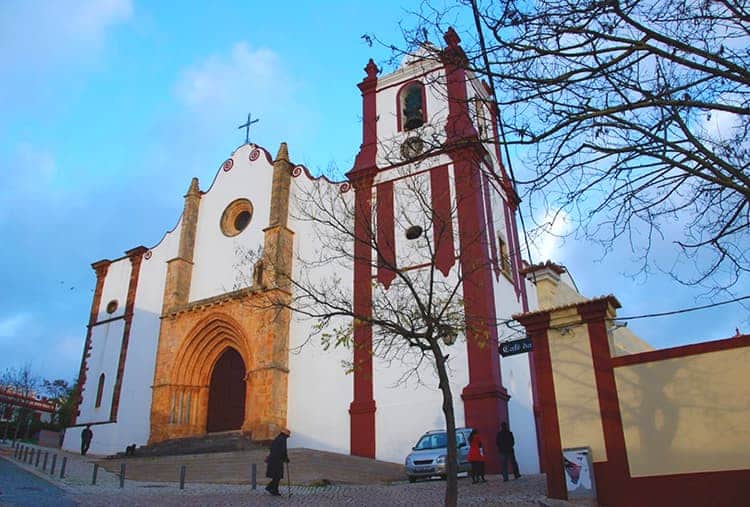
(215, 268)
(319, 389)
(133, 417)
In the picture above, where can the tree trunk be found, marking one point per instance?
(451, 487)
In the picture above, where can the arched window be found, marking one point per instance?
(411, 102)
(99, 391)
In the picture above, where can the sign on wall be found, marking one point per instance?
(579, 472)
(513, 347)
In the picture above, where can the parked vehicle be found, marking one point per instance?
(428, 458)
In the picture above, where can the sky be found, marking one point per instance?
(109, 108)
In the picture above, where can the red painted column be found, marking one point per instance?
(136, 257)
(611, 489)
(101, 268)
(362, 408)
(537, 325)
(485, 399)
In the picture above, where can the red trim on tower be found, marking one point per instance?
(100, 267)
(459, 127)
(368, 150)
(362, 408)
(537, 326)
(442, 223)
(136, 257)
(485, 399)
(386, 247)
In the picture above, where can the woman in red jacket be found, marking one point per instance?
(476, 457)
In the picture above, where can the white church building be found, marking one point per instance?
(187, 338)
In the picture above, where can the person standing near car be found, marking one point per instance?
(505, 443)
(275, 461)
(476, 457)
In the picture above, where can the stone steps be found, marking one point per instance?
(307, 467)
(211, 443)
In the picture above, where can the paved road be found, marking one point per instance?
(20, 488)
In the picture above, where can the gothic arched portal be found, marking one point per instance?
(226, 395)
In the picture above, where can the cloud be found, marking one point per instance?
(28, 181)
(11, 326)
(548, 244)
(43, 33)
(42, 39)
(217, 91)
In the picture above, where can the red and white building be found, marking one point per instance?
(166, 335)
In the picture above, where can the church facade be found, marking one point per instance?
(187, 337)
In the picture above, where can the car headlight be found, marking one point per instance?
(441, 459)
(408, 460)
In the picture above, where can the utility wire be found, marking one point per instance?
(488, 73)
(683, 310)
(515, 325)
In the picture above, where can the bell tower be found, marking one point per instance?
(432, 121)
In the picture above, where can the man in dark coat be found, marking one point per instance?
(86, 436)
(275, 462)
(505, 443)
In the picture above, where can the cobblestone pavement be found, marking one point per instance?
(527, 491)
(521, 493)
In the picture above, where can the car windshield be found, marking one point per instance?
(434, 441)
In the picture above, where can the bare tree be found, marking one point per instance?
(417, 309)
(635, 115)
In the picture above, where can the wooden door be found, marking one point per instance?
(226, 395)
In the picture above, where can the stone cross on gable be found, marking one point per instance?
(246, 126)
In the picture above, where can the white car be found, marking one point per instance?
(428, 457)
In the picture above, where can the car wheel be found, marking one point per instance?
(443, 477)
(412, 479)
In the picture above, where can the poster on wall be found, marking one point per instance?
(579, 472)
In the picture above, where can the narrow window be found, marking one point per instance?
(504, 257)
(99, 391)
(482, 118)
(411, 106)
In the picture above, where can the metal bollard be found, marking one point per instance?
(93, 476)
(38, 455)
(25, 454)
(254, 476)
(62, 467)
(44, 461)
(52, 466)
(122, 475)
(182, 476)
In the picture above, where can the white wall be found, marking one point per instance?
(133, 417)
(319, 389)
(215, 269)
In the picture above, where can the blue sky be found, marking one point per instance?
(107, 109)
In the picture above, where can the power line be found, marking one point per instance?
(683, 310)
(488, 73)
(515, 325)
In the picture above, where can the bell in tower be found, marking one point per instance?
(413, 107)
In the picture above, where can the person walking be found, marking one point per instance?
(275, 461)
(86, 436)
(505, 443)
(476, 457)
